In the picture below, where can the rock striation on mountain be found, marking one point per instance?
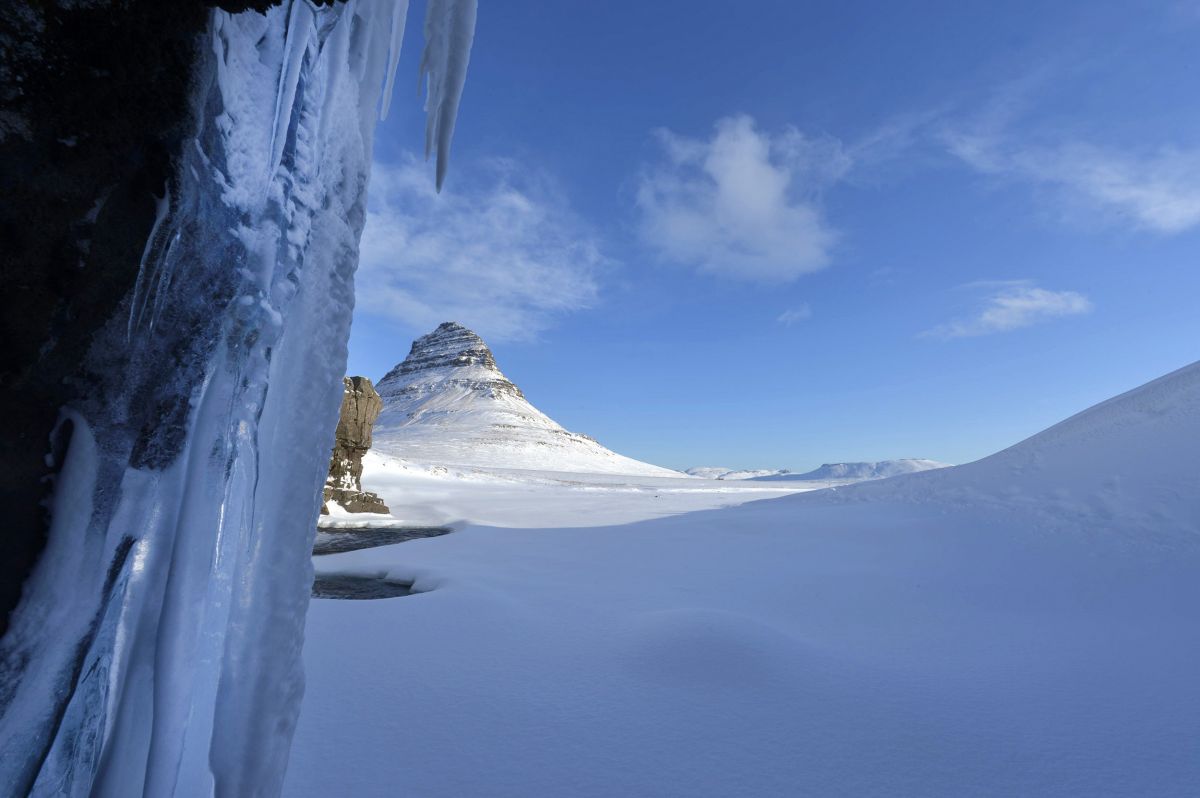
(361, 405)
(448, 403)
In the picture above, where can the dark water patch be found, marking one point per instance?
(334, 541)
(355, 587)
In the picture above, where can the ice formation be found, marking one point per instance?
(156, 650)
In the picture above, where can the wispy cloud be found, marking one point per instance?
(1155, 188)
(743, 203)
(1011, 305)
(502, 255)
(791, 316)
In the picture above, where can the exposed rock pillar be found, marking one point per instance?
(361, 405)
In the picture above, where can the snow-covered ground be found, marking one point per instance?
(465, 495)
(1023, 625)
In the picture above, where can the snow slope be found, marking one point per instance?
(1024, 625)
(449, 404)
(1130, 464)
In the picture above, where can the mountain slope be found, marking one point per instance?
(448, 403)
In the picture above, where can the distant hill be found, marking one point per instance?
(855, 472)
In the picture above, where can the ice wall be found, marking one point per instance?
(156, 649)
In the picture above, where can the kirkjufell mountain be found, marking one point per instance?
(449, 404)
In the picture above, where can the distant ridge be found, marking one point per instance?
(856, 472)
(830, 472)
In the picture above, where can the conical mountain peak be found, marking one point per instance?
(451, 345)
(451, 358)
(449, 403)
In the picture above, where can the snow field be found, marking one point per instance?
(1011, 627)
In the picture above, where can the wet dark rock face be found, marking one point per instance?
(361, 405)
(94, 110)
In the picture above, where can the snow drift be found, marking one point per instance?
(1131, 464)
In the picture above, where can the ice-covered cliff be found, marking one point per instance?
(449, 404)
(156, 647)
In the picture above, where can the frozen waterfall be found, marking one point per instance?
(156, 649)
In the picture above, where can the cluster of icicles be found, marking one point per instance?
(157, 649)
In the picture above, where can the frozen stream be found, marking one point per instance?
(359, 586)
(366, 586)
(367, 537)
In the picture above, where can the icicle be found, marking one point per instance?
(151, 261)
(299, 29)
(157, 648)
(399, 16)
(449, 32)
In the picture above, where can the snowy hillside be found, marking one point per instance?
(1130, 463)
(856, 472)
(449, 404)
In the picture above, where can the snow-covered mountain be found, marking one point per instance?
(448, 403)
(855, 472)
(721, 472)
(830, 472)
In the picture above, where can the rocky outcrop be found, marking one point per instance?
(361, 405)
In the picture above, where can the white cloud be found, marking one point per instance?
(1012, 305)
(742, 204)
(1153, 188)
(502, 255)
(1158, 191)
(799, 313)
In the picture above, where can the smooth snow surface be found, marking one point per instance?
(1024, 625)
(449, 404)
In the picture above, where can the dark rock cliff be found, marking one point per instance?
(94, 110)
(360, 407)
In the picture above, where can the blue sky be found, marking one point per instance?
(775, 234)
